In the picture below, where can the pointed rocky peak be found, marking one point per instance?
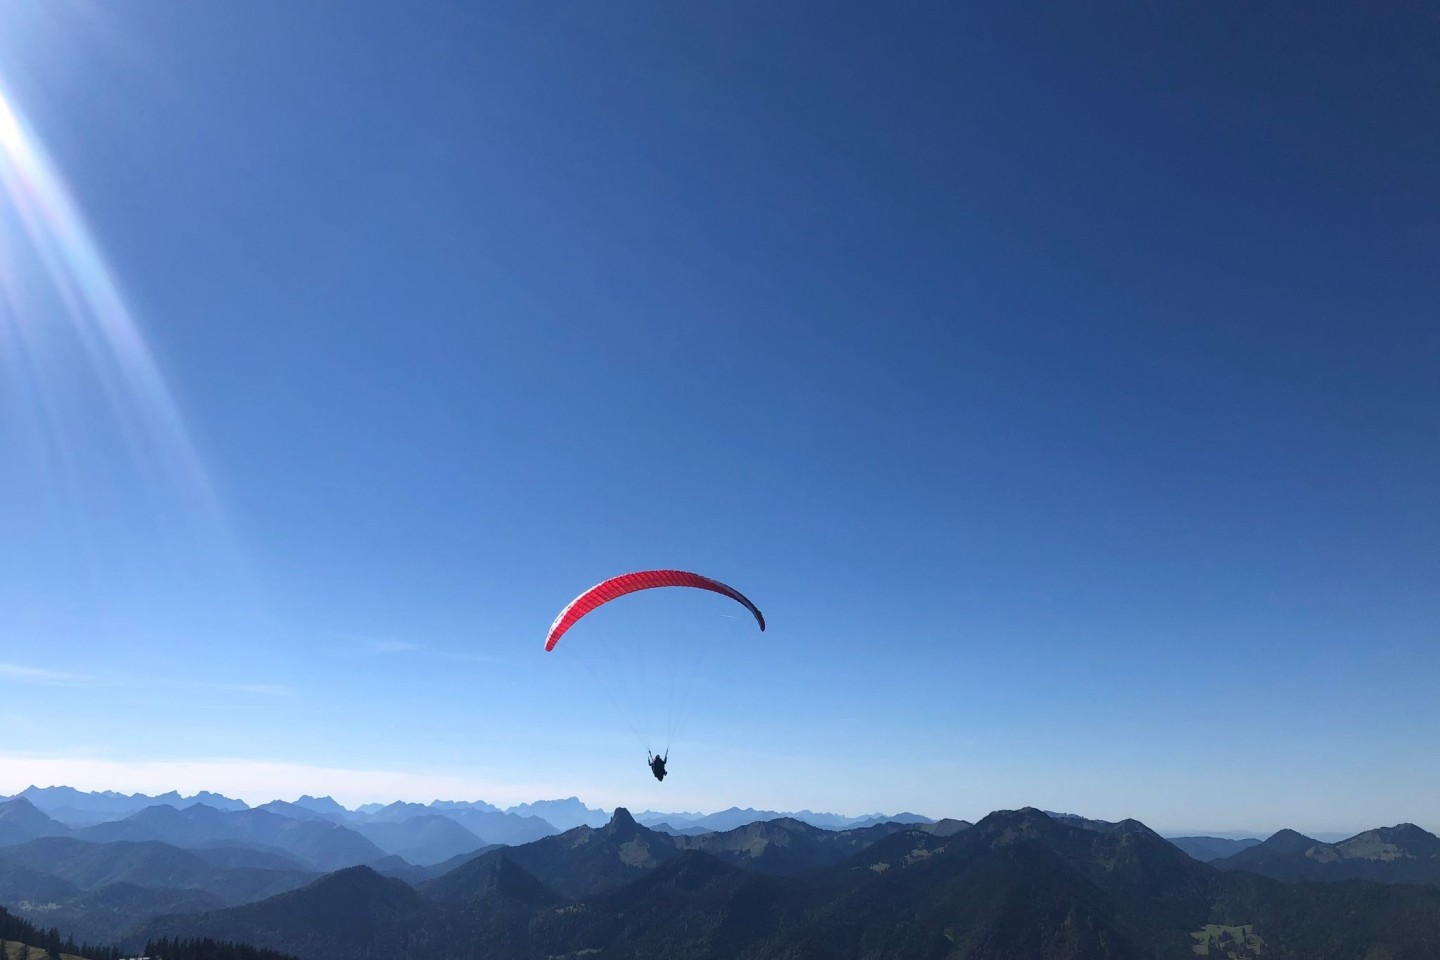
(622, 825)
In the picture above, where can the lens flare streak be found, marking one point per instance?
(93, 312)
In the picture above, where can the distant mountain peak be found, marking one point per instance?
(1287, 840)
(1027, 822)
(320, 804)
(621, 819)
(21, 820)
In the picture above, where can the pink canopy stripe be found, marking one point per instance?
(630, 583)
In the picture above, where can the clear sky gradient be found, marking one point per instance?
(1062, 381)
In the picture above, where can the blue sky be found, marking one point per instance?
(1061, 383)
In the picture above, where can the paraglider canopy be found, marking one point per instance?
(619, 586)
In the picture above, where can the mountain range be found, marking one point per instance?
(1017, 884)
(772, 886)
(517, 824)
(1400, 854)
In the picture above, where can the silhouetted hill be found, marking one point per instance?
(22, 884)
(106, 914)
(325, 805)
(253, 856)
(351, 913)
(785, 846)
(588, 860)
(21, 820)
(89, 866)
(1019, 875)
(416, 875)
(693, 906)
(506, 828)
(1401, 854)
(490, 826)
(100, 891)
(1021, 885)
(318, 843)
(674, 831)
(1279, 846)
(1006, 894)
(422, 840)
(357, 913)
(493, 876)
(1212, 848)
(735, 817)
(296, 812)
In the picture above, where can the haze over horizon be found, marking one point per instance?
(1060, 384)
(353, 803)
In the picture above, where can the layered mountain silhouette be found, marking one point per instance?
(1017, 884)
(1212, 848)
(422, 840)
(353, 912)
(99, 891)
(576, 863)
(320, 844)
(148, 863)
(21, 820)
(81, 808)
(515, 825)
(691, 823)
(1400, 854)
(563, 814)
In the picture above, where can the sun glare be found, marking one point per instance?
(59, 286)
(9, 127)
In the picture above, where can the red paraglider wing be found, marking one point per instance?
(631, 582)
